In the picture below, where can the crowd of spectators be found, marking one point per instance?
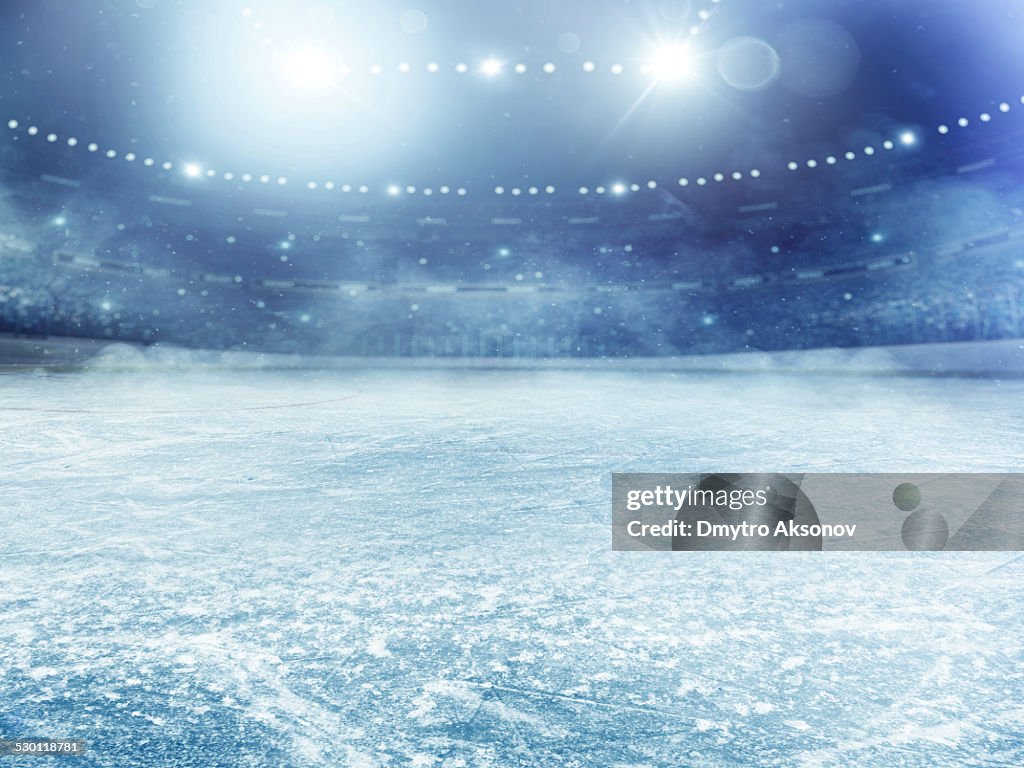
(935, 299)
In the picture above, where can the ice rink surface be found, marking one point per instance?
(288, 568)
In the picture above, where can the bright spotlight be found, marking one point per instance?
(908, 138)
(193, 170)
(491, 67)
(309, 68)
(672, 63)
(394, 190)
(618, 188)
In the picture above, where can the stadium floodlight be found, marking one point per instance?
(309, 68)
(193, 170)
(618, 188)
(672, 63)
(394, 190)
(491, 67)
(908, 138)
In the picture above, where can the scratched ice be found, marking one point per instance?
(327, 569)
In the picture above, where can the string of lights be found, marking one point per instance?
(313, 68)
(906, 139)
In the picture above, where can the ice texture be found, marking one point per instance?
(414, 568)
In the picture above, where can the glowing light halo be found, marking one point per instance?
(309, 67)
(673, 63)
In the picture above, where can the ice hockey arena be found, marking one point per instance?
(324, 327)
